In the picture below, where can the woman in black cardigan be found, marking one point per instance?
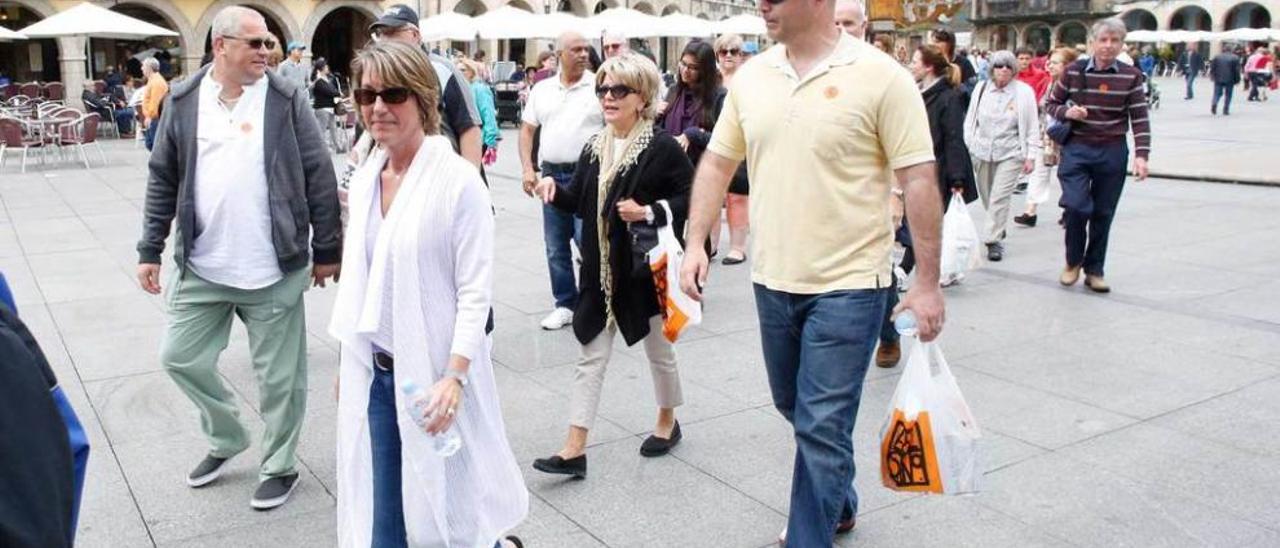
(623, 173)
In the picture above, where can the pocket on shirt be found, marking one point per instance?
(834, 133)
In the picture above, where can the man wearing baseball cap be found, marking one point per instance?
(460, 121)
(293, 69)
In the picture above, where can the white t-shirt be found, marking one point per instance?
(233, 245)
(568, 117)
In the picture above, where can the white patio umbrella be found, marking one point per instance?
(1249, 35)
(448, 26)
(686, 26)
(553, 24)
(632, 23)
(745, 23)
(1185, 36)
(7, 35)
(508, 23)
(90, 21)
(1143, 36)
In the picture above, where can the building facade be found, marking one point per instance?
(330, 28)
(1043, 24)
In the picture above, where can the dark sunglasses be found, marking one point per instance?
(390, 96)
(775, 2)
(734, 51)
(1001, 65)
(688, 67)
(611, 47)
(618, 91)
(255, 43)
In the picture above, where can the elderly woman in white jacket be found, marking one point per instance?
(413, 305)
(1002, 131)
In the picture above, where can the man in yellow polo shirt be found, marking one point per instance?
(826, 124)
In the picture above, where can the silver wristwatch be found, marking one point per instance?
(456, 375)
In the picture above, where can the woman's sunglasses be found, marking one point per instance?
(255, 43)
(390, 96)
(1001, 66)
(733, 52)
(617, 91)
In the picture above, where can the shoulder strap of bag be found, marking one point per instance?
(977, 109)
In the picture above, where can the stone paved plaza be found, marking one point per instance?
(1149, 417)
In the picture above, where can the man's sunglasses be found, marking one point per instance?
(774, 2)
(618, 91)
(390, 96)
(255, 43)
(612, 47)
(732, 51)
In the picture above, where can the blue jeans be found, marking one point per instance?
(1191, 80)
(1220, 91)
(150, 135)
(558, 228)
(384, 438)
(816, 351)
(1092, 179)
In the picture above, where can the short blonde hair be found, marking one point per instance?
(727, 41)
(401, 66)
(469, 66)
(277, 53)
(636, 72)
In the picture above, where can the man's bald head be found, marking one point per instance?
(575, 54)
(567, 38)
(851, 17)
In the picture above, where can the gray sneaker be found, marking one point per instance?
(274, 492)
(207, 471)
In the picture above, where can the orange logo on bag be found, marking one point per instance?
(673, 319)
(908, 460)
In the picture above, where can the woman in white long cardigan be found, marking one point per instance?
(413, 304)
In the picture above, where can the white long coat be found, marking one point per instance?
(433, 264)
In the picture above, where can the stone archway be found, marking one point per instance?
(1191, 17)
(604, 5)
(1072, 33)
(273, 11)
(1038, 37)
(161, 14)
(336, 29)
(1246, 15)
(1140, 19)
(53, 61)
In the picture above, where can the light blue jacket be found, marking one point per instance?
(488, 112)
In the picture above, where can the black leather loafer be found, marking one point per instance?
(576, 467)
(657, 447)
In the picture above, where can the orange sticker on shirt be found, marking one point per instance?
(831, 92)
(1104, 88)
(246, 128)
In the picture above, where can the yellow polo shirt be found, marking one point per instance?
(821, 153)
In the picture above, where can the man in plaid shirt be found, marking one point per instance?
(1099, 99)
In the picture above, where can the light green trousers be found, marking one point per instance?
(200, 315)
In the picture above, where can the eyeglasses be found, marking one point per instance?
(732, 51)
(618, 91)
(390, 96)
(613, 47)
(1002, 66)
(688, 67)
(775, 2)
(255, 43)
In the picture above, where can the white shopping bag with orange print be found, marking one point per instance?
(679, 311)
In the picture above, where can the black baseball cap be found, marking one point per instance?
(397, 15)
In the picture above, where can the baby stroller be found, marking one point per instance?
(1153, 94)
(506, 98)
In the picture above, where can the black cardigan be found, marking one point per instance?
(661, 172)
(699, 135)
(946, 108)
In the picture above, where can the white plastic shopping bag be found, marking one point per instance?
(679, 311)
(929, 442)
(959, 242)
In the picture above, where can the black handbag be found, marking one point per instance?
(644, 237)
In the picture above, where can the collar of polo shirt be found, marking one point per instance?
(846, 52)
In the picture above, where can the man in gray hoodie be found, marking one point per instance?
(240, 162)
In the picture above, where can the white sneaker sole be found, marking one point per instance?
(269, 504)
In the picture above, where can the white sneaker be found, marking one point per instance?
(782, 537)
(557, 319)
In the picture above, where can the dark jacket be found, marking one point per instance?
(661, 172)
(324, 92)
(699, 135)
(1225, 69)
(301, 184)
(1191, 61)
(946, 108)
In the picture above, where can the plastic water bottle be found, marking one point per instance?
(905, 323)
(415, 404)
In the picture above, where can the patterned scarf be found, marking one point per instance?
(613, 166)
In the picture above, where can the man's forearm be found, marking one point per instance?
(710, 185)
(526, 148)
(469, 145)
(924, 215)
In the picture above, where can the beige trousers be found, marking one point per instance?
(589, 377)
(996, 183)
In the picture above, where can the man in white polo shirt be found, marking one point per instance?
(830, 128)
(567, 112)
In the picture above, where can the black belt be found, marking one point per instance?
(549, 167)
(384, 361)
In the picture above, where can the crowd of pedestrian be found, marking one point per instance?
(241, 176)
